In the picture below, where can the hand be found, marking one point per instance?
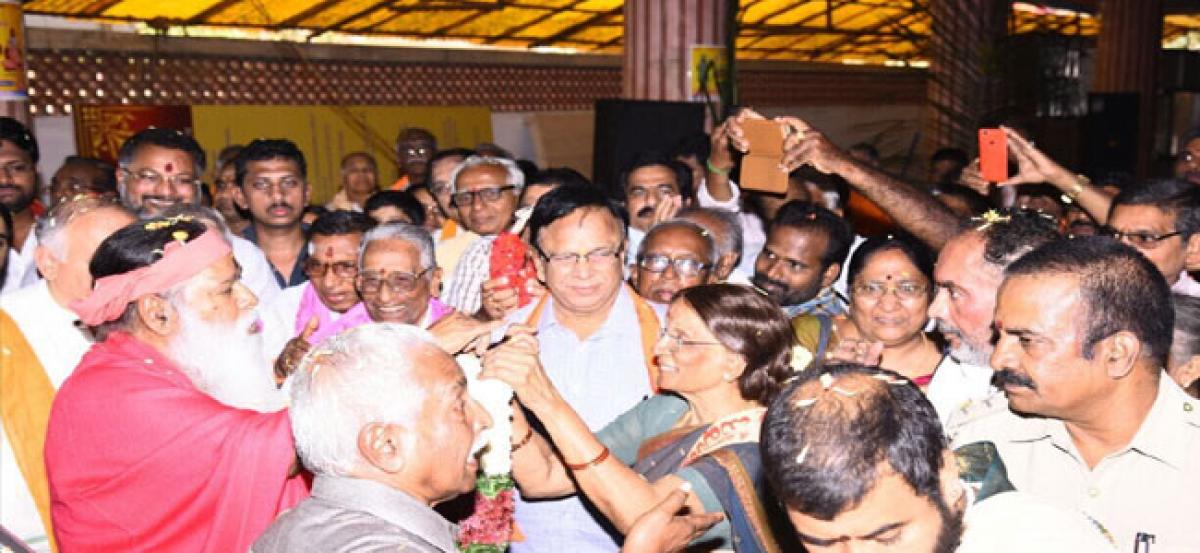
(807, 146)
(733, 128)
(663, 530)
(851, 350)
(1033, 166)
(516, 363)
(972, 178)
(457, 332)
(294, 350)
(666, 209)
(719, 154)
(500, 299)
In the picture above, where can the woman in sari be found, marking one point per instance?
(723, 355)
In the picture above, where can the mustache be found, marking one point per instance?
(277, 205)
(646, 211)
(1006, 377)
(947, 328)
(761, 281)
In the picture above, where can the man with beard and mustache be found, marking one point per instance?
(1187, 161)
(414, 148)
(675, 254)
(802, 259)
(857, 456)
(42, 346)
(157, 171)
(654, 187)
(968, 273)
(169, 435)
(18, 192)
(1084, 328)
(273, 187)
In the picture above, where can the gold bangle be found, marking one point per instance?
(599, 459)
(1077, 188)
(523, 442)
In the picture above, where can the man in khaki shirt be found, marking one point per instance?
(1083, 327)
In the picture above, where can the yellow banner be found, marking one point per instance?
(12, 66)
(327, 134)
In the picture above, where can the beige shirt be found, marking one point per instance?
(1151, 486)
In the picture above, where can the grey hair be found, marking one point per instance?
(412, 234)
(49, 229)
(706, 236)
(732, 227)
(350, 380)
(206, 214)
(515, 176)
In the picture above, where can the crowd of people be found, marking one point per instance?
(196, 360)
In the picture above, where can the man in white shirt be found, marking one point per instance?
(68, 236)
(653, 187)
(18, 192)
(1161, 219)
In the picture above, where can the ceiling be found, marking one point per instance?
(849, 31)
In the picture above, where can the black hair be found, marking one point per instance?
(451, 152)
(422, 132)
(340, 221)
(1188, 136)
(1010, 233)
(105, 180)
(651, 158)
(808, 216)
(528, 168)
(567, 199)
(227, 155)
(558, 176)
(1175, 196)
(697, 144)
(5, 216)
(404, 200)
(977, 203)
(1119, 288)
(825, 181)
(17, 133)
(822, 450)
(916, 252)
(169, 139)
(263, 149)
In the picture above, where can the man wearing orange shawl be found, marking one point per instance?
(169, 436)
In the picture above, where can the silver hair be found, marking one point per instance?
(515, 176)
(704, 235)
(350, 380)
(49, 229)
(412, 234)
(731, 227)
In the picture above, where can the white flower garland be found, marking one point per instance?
(495, 397)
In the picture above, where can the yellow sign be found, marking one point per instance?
(326, 134)
(707, 68)
(12, 63)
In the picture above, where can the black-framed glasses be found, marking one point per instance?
(594, 258)
(675, 341)
(488, 195)
(343, 269)
(400, 282)
(1140, 240)
(154, 178)
(657, 263)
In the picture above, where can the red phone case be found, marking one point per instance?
(993, 155)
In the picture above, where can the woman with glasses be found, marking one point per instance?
(723, 355)
(891, 285)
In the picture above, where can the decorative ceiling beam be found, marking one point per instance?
(512, 31)
(572, 29)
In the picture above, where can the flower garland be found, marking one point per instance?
(489, 529)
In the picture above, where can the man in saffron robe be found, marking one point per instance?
(169, 435)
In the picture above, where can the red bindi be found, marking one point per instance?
(328, 251)
(170, 167)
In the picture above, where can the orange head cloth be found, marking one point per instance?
(180, 261)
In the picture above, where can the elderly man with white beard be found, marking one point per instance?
(169, 436)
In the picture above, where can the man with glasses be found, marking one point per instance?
(654, 187)
(82, 176)
(398, 279)
(273, 187)
(674, 255)
(452, 238)
(18, 192)
(325, 305)
(802, 258)
(360, 179)
(595, 340)
(485, 191)
(414, 148)
(1161, 219)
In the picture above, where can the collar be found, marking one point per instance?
(622, 317)
(297, 277)
(1186, 285)
(1157, 437)
(826, 302)
(389, 504)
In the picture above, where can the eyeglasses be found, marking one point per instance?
(675, 341)
(154, 178)
(1139, 240)
(488, 195)
(594, 258)
(285, 184)
(316, 269)
(399, 282)
(683, 266)
(903, 290)
(662, 190)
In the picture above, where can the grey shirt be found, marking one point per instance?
(350, 514)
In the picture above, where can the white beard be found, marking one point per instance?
(226, 362)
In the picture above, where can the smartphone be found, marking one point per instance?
(993, 155)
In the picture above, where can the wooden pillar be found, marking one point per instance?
(1127, 61)
(659, 35)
